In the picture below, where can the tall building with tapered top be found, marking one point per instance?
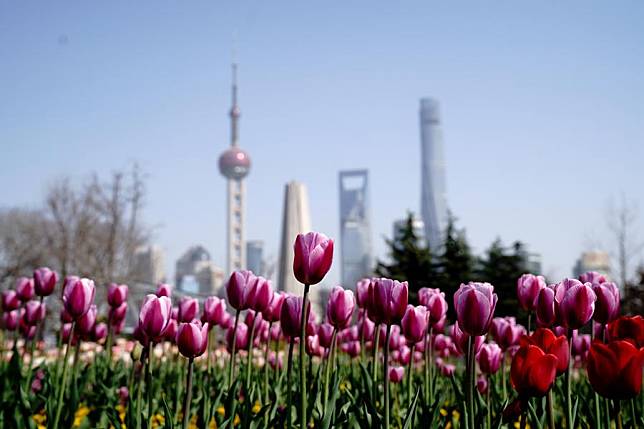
(234, 165)
(433, 203)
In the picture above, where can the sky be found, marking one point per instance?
(542, 110)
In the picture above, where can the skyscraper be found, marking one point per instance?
(234, 165)
(433, 204)
(149, 265)
(355, 226)
(255, 256)
(296, 219)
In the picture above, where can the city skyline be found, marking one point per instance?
(558, 112)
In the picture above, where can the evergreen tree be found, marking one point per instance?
(410, 261)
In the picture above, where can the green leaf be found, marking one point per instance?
(409, 419)
(169, 417)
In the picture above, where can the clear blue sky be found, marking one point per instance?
(542, 106)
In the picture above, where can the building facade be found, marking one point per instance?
(255, 256)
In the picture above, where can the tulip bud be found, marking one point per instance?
(388, 300)
(434, 301)
(25, 288)
(366, 328)
(116, 294)
(396, 374)
(352, 348)
(528, 287)
(188, 309)
(607, 304)
(414, 323)
(340, 307)
(45, 281)
(155, 316)
(164, 289)
(272, 312)
(100, 332)
(213, 311)
(34, 313)
(192, 339)
(238, 287)
(10, 300)
(312, 258)
(580, 344)
(117, 314)
(362, 293)
(489, 358)
(10, 319)
(85, 324)
(78, 296)
(124, 394)
(325, 334)
(446, 369)
(574, 303)
(290, 316)
(482, 385)
(475, 304)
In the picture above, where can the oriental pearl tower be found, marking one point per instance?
(234, 165)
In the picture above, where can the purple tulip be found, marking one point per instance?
(593, 277)
(580, 344)
(607, 304)
(352, 348)
(313, 347)
(155, 316)
(85, 324)
(528, 287)
(78, 296)
(192, 339)
(414, 323)
(117, 314)
(188, 309)
(275, 361)
(45, 281)
(214, 309)
(124, 394)
(117, 328)
(34, 312)
(475, 304)
(10, 319)
(10, 300)
(313, 257)
(506, 332)
(164, 289)
(226, 320)
(489, 358)
(574, 303)
(366, 327)
(325, 333)
(460, 339)
(396, 374)
(28, 331)
(25, 288)
(340, 307)
(545, 306)
(434, 301)
(362, 293)
(388, 300)
(260, 294)
(116, 294)
(482, 385)
(100, 332)
(238, 287)
(140, 336)
(170, 333)
(446, 369)
(241, 339)
(272, 312)
(290, 317)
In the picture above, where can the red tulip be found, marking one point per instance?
(434, 301)
(574, 303)
(607, 304)
(10, 300)
(547, 341)
(340, 307)
(78, 296)
(192, 339)
(414, 323)
(489, 358)
(116, 294)
(628, 328)
(155, 316)
(388, 300)
(528, 288)
(25, 288)
(313, 257)
(475, 304)
(533, 371)
(615, 369)
(214, 309)
(45, 281)
(188, 309)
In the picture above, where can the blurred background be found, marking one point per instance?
(434, 141)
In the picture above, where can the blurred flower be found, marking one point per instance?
(164, 289)
(78, 296)
(313, 254)
(272, 312)
(34, 312)
(434, 301)
(116, 295)
(188, 309)
(396, 374)
(100, 332)
(45, 281)
(85, 324)
(10, 300)
(214, 309)
(506, 332)
(580, 344)
(593, 277)
(10, 319)
(313, 347)
(325, 334)
(340, 307)
(482, 385)
(362, 293)
(460, 339)
(25, 288)
(241, 340)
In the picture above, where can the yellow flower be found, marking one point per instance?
(443, 412)
(237, 420)
(158, 420)
(517, 425)
(213, 424)
(256, 407)
(456, 415)
(344, 386)
(221, 410)
(80, 414)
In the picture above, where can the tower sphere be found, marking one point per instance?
(234, 163)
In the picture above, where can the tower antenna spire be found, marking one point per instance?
(234, 110)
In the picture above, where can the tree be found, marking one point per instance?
(621, 222)
(410, 261)
(633, 299)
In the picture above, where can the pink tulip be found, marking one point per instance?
(396, 374)
(460, 339)
(171, 330)
(226, 320)
(117, 328)
(34, 312)
(446, 369)
(116, 314)
(313, 347)
(434, 301)
(260, 294)
(362, 293)
(78, 296)
(272, 312)
(25, 288)
(290, 317)
(325, 334)
(313, 257)
(213, 311)
(116, 294)
(388, 300)
(607, 304)
(10, 319)
(340, 307)
(593, 278)
(574, 303)
(444, 345)
(506, 332)
(155, 316)
(528, 287)
(545, 306)
(482, 385)
(414, 323)
(241, 340)
(192, 339)
(352, 348)
(489, 358)
(238, 288)
(188, 309)
(100, 332)
(475, 304)
(275, 361)
(10, 300)
(67, 330)
(366, 327)
(85, 324)
(164, 289)
(45, 281)
(124, 394)
(28, 331)
(580, 344)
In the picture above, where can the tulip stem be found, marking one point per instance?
(188, 397)
(39, 327)
(266, 353)
(633, 413)
(618, 414)
(503, 381)
(569, 421)
(386, 375)
(249, 361)
(231, 363)
(61, 392)
(209, 355)
(471, 381)
(329, 364)
(289, 370)
(303, 320)
(410, 378)
(549, 410)
(430, 364)
(139, 393)
(374, 367)
(148, 383)
(489, 404)
(108, 342)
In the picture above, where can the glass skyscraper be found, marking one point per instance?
(433, 204)
(355, 227)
